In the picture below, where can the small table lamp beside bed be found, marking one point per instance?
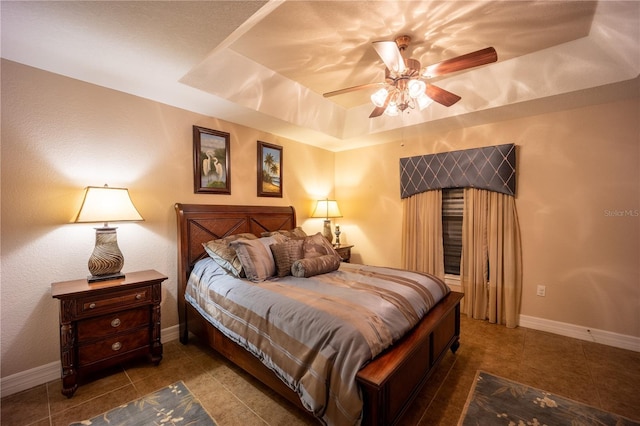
(284, 308)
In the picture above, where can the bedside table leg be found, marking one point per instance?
(67, 359)
(156, 344)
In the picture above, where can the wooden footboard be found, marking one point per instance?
(392, 380)
(389, 383)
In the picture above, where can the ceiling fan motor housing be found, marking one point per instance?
(403, 42)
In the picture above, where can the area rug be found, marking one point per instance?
(173, 405)
(497, 401)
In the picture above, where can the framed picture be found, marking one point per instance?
(211, 161)
(269, 170)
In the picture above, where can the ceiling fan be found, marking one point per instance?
(405, 83)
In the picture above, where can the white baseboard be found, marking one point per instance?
(48, 372)
(583, 333)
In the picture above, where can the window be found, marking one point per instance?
(452, 212)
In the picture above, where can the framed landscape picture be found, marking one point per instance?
(269, 170)
(211, 161)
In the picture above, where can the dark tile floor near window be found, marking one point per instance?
(598, 375)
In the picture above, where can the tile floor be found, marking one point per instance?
(591, 373)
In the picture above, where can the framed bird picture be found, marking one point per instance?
(269, 170)
(211, 161)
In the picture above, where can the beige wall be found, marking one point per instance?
(577, 169)
(60, 135)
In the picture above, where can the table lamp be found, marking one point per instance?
(106, 204)
(327, 209)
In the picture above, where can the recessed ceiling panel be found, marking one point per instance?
(326, 46)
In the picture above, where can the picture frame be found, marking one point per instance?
(211, 161)
(269, 170)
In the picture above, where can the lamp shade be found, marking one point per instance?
(327, 209)
(106, 204)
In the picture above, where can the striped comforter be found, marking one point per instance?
(316, 333)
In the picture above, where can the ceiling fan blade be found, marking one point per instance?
(441, 96)
(390, 55)
(378, 111)
(470, 60)
(351, 89)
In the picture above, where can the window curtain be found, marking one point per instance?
(422, 247)
(491, 266)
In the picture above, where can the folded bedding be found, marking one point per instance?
(316, 333)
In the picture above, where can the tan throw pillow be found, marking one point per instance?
(297, 232)
(245, 235)
(310, 266)
(256, 258)
(317, 245)
(284, 254)
(224, 255)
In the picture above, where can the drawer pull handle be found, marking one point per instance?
(116, 346)
(115, 323)
(92, 306)
(138, 296)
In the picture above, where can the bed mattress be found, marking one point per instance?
(316, 333)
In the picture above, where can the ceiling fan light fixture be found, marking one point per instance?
(379, 97)
(423, 101)
(416, 88)
(404, 87)
(392, 110)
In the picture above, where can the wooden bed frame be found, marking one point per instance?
(389, 383)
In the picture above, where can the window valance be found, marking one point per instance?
(492, 168)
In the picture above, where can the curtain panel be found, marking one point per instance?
(422, 246)
(491, 266)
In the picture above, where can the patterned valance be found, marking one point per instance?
(492, 168)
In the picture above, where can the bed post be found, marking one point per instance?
(183, 266)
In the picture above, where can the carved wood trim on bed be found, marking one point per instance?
(389, 383)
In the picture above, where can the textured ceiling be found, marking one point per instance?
(266, 64)
(326, 47)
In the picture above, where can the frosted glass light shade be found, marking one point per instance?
(416, 88)
(106, 204)
(392, 110)
(379, 97)
(424, 101)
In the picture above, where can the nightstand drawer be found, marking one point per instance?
(106, 325)
(113, 346)
(117, 300)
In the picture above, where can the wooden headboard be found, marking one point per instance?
(199, 223)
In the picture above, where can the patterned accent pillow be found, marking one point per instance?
(310, 266)
(317, 245)
(285, 254)
(255, 256)
(297, 232)
(224, 255)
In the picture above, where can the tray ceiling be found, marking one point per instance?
(266, 64)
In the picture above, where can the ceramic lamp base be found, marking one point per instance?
(326, 231)
(107, 260)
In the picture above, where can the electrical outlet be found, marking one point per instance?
(542, 290)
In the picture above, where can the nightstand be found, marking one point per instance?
(107, 322)
(344, 251)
